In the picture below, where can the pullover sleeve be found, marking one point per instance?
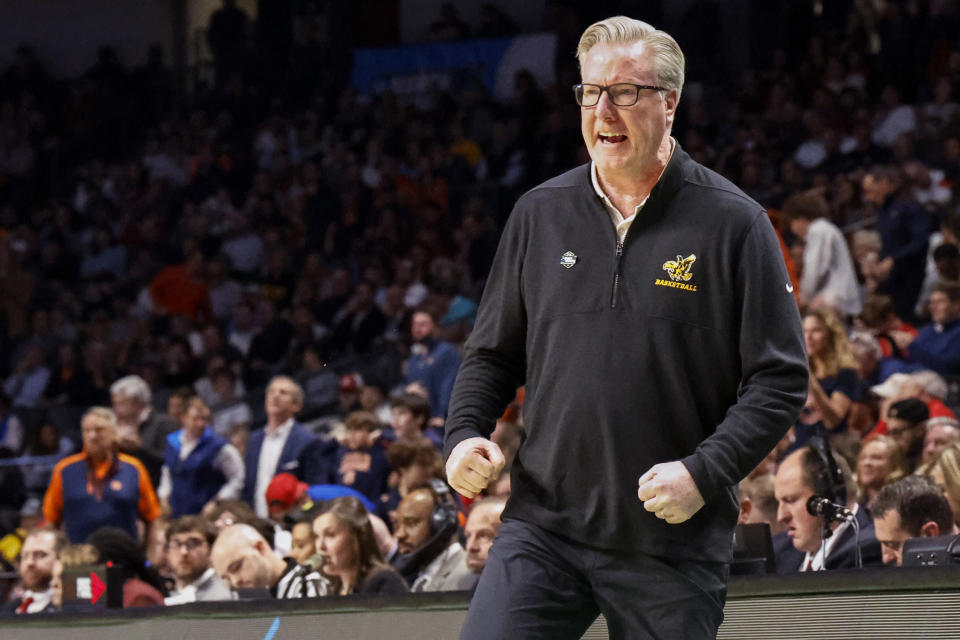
(494, 364)
(774, 376)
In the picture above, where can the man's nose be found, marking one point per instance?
(783, 515)
(889, 557)
(605, 107)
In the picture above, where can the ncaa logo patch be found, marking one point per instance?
(568, 259)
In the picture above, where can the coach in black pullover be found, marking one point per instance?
(626, 367)
(679, 341)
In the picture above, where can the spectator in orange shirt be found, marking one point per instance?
(180, 290)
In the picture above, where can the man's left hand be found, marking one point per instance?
(668, 491)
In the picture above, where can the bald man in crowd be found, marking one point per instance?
(244, 559)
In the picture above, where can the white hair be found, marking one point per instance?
(932, 382)
(669, 62)
(942, 421)
(867, 340)
(133, 387)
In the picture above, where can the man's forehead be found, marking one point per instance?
(416, 505)
(888, 521)
(631, 57)
(95, 422)
(184, 535)
(790, 470)
(41, 540)
(482, 517)
(302, 530)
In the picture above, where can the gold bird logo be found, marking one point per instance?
(679, 269)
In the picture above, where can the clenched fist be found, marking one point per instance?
(472, 465)
(668, 491)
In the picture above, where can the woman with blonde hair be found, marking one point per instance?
(879, 463)
(944, 468)
(834, 383)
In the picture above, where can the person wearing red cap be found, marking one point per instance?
(285, 494)
(351, 385)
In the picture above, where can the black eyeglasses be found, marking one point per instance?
(190, 544)
(622, 94)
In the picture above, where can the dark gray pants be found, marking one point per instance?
(540, 585)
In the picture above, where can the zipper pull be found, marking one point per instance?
(619, 248)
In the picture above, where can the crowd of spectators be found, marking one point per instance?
(251, 302)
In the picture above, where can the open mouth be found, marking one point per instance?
(612, 138)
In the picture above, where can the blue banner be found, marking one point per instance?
(411, 69)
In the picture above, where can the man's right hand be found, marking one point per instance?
(472, 465)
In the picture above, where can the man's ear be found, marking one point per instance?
(671, 99)
(746, 508)
(930, 530)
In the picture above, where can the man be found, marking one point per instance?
(940, 433)
(361, 322)
(663, 359)
(905, 420)
(143, 431)
(430, 558)
(904, 228)
(800, 477)
(758, 502)
(931, 387)
(348, 398)
(937, 345)
(38, 555)
(99, 487)
(828, 279)
(189, 539)
(244, 559)
(432, 362)
(481, 528)
(912, 507)
(199, 465)
(284, 445)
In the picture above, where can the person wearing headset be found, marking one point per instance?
(808, 473)
(430, 557)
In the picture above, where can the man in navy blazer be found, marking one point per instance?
(284, 446)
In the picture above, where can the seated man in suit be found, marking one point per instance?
(801, 476)
(284, 446)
